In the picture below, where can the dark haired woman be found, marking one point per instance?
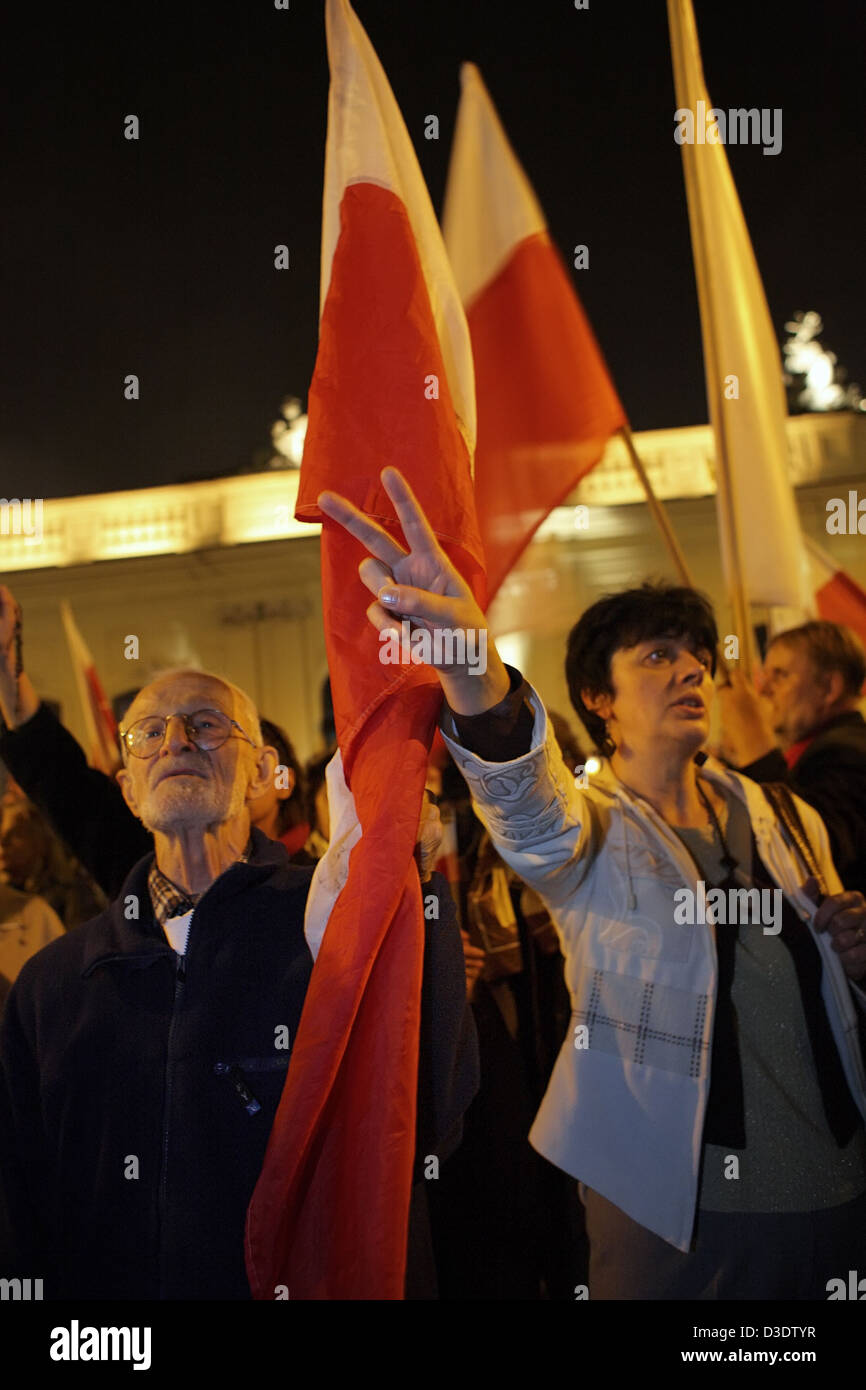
(711, 1099)
(280, 812)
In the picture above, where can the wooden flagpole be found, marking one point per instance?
(715, 398)
(662, 520)
(658, 512)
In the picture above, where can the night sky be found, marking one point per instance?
(156, 257)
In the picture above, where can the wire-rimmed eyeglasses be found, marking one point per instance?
(206, 728)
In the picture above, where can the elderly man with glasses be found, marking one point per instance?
(144, 1054)
(188, 776)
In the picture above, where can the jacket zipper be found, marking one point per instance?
(179, 980)
(239, 1085)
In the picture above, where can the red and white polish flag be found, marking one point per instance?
(759, 528)
(546, 404)
(392, 386)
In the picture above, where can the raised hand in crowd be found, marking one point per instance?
(746, 727)
(420, 584)
(18, 700)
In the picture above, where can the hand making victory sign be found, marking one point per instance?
(420, 584)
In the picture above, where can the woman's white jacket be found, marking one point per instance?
(624, 1110)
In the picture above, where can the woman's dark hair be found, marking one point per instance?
(619, 621)
(292, 810)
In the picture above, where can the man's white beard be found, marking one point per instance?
(187, 805)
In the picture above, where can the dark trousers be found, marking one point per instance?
(734, 1256)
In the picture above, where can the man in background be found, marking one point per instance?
(805, 729)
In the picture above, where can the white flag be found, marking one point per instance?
(741, 356)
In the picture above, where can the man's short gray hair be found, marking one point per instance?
(243, 706)
(830, 647)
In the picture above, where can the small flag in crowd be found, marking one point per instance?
(99, 722)
(837, 597)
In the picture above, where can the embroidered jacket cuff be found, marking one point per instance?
(499, 734)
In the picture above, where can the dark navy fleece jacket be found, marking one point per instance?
(138, 1088)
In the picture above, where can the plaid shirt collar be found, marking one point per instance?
(168, 900)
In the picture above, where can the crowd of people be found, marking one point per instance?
(626, 1100)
